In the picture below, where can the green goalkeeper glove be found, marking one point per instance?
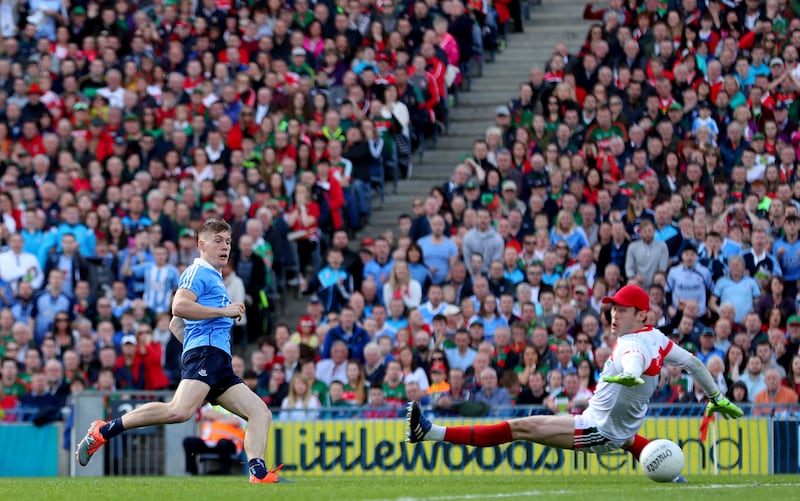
(624, 380)
(718, 403)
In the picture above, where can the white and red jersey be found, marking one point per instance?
(619, 410)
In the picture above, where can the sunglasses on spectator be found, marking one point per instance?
(435, 359)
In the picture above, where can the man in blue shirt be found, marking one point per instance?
(787, 250)
(203, 319)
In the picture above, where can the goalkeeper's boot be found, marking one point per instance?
(418, 424)
(271, 477)
(680, 479)
(91, 443)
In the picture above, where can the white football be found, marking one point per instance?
(662, 460)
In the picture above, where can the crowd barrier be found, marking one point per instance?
(371, 442)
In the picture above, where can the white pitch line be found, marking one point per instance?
(727, 486)
(479, 496)
(709, 487)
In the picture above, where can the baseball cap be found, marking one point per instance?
(120, 140)
(470, 185)
(675, 106)
(382, 57)
(314, 299)
(366, 242)
(131, 116)
(34, 89)
(502, 110)
(186, 232)
(209, 206)
(262, 188)
(80, 107)
(776, 60)
(793, 320)
(97, 122)
(129, 339)
(477, 321)
(780, 105)
(582, 289)
(630, 295)
(298, 51)
(509, 185)
(758, 135)
(79, 10)
(438, 367)
(704, 104)
(707, 332)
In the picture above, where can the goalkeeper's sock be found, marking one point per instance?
(257, 468)
(639, 443)
(479, 435)
(112, 428)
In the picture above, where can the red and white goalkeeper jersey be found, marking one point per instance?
(618, 410)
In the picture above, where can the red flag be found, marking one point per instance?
(707, 420)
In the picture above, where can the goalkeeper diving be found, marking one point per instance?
(619, 405)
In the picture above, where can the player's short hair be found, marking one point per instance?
(214, 226)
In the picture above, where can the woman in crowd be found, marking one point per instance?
(401, 285)
(411, 372)
(301, 404)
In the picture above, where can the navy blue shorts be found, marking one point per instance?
(211, 366)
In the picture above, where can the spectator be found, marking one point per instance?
(736, 288)
(334, 368)
(401, 285)
(300, 404)
(646, 255)
(354, 336)
(753, 376)
(775, 397)
(689, 280)
(483, 241)
(571, 399)
(492, 394)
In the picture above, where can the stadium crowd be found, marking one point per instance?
(663, 153)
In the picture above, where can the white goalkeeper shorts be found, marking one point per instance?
(588, 438)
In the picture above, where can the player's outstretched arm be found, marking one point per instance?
(716, 401)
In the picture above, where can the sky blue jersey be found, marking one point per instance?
(206, 283)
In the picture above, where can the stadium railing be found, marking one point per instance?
(370, 441)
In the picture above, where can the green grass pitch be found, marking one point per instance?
(444, 488)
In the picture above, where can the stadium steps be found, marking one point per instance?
(551, 22)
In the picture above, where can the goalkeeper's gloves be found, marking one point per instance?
(624, 379)
(718, 403)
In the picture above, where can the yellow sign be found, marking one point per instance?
(377, 447)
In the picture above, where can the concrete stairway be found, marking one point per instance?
(551, 22)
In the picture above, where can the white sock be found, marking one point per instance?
(436, 433)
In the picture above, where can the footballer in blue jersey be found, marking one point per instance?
(203, 318)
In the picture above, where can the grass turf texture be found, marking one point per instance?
(400, 488)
